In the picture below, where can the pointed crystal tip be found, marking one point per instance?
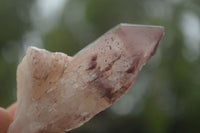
(140, 37)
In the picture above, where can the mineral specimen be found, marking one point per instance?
(58, 93)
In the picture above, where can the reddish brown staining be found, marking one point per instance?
(94, 58)
(93, 63)
(156, 46)
(105, 87)
(97, 74)
(107, 68)
(111, 64)
(131, 69)
(125, 85)
(55, 100)
(101, 81)
(101, 73)
(119, 93)
(82, 118)
(118, 57)
(154, 49)
(108, 95)
(134, 66)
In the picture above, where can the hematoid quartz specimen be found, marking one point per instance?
(58, 93)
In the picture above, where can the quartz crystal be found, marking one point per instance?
(58, 93)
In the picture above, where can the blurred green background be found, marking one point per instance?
(166, 95)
